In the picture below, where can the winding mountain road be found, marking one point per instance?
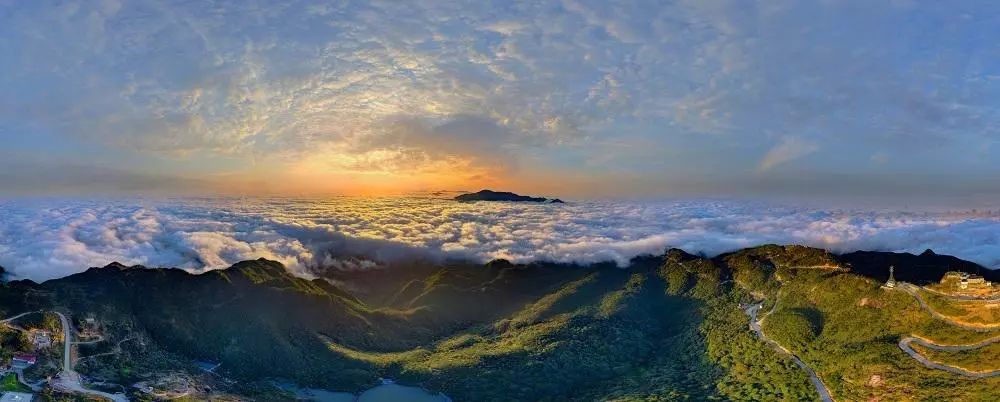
(100, 338)
(755, 326)
(9, 319)
(69, 380)
(962, 297)
(914, 291)
(116, 350)
(906, 343)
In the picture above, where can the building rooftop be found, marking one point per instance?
(26, 358)
(16, 397)
(966, 284)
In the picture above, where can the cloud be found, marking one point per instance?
(612, 92)
(42, 239)
(54, 176)
(419, 143)
(274, 82)
(790, 148)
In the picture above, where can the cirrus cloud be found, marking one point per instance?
(651, 88)
(790, 148)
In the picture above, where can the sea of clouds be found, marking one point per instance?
(44, 239)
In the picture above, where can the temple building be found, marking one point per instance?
(965, 284)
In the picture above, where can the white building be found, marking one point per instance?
(891, 283)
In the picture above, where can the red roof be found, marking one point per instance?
(26, 358)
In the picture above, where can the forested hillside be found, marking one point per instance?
(672, 327)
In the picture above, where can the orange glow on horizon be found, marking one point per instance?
(333, 174)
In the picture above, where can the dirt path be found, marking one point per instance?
(100, 338)
(117, 350)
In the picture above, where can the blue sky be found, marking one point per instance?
(892, 99)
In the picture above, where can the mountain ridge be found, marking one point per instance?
(495, 331)
(490, 195)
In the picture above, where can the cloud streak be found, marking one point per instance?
(790, 148)
(355, 88)
(53, 238)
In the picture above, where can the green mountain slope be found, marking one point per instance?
(671, 327)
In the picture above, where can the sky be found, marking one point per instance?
(572, 98)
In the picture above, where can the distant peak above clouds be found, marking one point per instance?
(490, 195)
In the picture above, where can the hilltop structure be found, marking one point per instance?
(891, 282)
(41, 339)
(965, 284)
(23, 361)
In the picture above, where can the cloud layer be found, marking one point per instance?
(48, 239)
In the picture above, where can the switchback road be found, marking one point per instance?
(755, 326)
(905, 345)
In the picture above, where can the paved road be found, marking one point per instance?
(68, 379)
(755, 326)
(9, 319)
(830, 267)
(906, 342)
(905, 345)
(963, 297)
(955, 348)
(914, 291)
(20, 378)
(67, 343)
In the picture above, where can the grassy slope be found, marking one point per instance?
(965, 311)
(986, 358)
(843, 325)
(10, 383)
(859, 325)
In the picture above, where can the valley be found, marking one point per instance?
(765, 323)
